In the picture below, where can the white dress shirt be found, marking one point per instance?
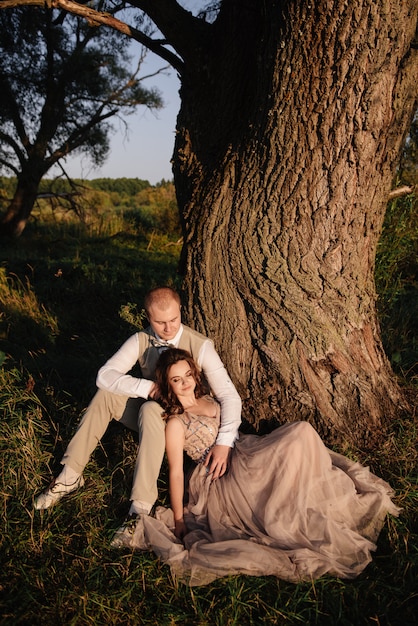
(113, 376)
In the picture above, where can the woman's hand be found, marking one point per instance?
(180, 529)
(217, 461)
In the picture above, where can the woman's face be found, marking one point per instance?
(181, 380)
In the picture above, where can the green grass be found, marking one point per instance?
(65, 305)
(397, 285)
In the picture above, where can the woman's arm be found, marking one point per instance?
(174, 443)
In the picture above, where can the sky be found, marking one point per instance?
(145, 150)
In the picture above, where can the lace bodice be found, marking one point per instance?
(200, 432)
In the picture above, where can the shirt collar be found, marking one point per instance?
(175, 340)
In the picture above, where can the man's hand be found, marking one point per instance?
(217, 461)
(155, 392)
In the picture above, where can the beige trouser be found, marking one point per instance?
(139, 415)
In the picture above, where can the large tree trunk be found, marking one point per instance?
(292, 120)
(14, 220)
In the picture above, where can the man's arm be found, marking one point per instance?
(226, 394)
(113, 376)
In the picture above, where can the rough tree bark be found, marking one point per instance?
(292, 119)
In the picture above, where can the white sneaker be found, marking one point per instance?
(124, 535)
(55, 492)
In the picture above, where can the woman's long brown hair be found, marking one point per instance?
(167, 397)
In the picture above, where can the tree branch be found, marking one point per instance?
(78, 137)
(12, 143)
(399, 192)
(183, 31)
(14, 113)
(9, 166)
(96, 18)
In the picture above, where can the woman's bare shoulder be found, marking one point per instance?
(211, 405)
(174, 424)
(210, 399)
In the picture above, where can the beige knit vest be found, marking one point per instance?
(190, 340)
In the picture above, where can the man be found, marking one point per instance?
(125, 398)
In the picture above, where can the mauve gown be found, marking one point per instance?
(288, 506)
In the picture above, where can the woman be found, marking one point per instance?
(287, 506)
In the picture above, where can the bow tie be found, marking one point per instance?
(157, 343)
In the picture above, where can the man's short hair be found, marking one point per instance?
(161, 297)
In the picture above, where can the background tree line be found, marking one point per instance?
(103, 201)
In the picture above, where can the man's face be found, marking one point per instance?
(165, 322)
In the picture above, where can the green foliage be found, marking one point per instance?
(7, 187)
(64, 283)
(70, 293)
(397, 285)
(122, 186)
(102, 206)
(61, 82)
(408, 167)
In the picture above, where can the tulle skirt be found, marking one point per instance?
(287, 507)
